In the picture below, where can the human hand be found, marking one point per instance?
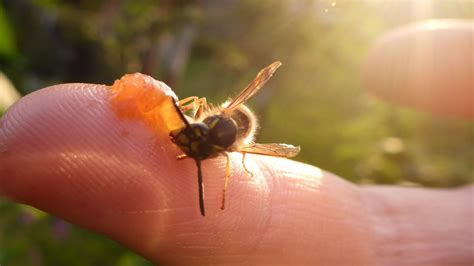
(63, 150)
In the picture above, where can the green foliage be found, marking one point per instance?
(7, 43)
(30, 236)
(315, 100)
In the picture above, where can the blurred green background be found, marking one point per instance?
(214, 48)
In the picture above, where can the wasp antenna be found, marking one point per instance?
(201, 188)
(180, 113)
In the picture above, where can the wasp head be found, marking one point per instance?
(193, 140)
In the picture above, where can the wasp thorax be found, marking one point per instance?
(222, 131)
(194, 140)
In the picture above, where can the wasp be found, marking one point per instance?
(212, 131)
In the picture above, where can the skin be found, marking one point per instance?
(63, 150)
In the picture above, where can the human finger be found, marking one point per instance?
(65, 151)
(427, 66)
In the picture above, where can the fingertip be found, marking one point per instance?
(64, 150)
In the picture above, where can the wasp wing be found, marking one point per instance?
(262, 77)
(271, 149)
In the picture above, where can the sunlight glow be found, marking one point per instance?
(441, 23)
(422, 9)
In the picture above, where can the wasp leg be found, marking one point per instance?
(247, 171)
(202, 107)
(188, 103)
(198, 105)
(226, 180)
(181, 157)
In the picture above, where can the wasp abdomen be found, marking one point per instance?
(247, 124)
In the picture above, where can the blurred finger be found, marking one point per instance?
(428, 66)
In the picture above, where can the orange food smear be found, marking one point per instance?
(141, 97)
